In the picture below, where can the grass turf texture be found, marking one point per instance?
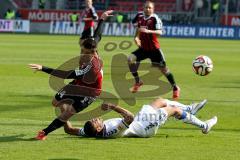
(25, 102)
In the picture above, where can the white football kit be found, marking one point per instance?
(147, 122)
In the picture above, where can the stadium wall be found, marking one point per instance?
(127, 29)
(17, 26)
(120, 29)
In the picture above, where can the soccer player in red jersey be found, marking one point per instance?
(89, 16)
(86, 84)
(149, 26)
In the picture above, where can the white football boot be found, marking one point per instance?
(197, 106)
(210, 123)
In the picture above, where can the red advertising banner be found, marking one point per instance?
(46, 15)
(231, 20)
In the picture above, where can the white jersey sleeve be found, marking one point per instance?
(159, 24)
(114, 128)
(81, 132)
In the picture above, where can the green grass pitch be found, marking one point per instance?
(25, 102)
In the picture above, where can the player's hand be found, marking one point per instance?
(137, 41)
(106, 14)
(144, 30)
(35, 67)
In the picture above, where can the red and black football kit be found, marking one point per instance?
(150, 47)
(88, 30)
(87, 83)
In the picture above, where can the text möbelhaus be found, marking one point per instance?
(36, 15)
(49, 16)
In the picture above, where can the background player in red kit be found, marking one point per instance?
(89, 16)
(149, 26)
(85, 87)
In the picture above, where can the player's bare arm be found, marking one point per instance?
(88, 19)
(106, 14)
(137, 38)
(69, 129)
(71, 74)
(127, 115)
(98, 31)
(144, 30)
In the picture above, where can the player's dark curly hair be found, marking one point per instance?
(90, 43)
(89, 129)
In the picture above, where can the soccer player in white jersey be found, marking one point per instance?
(96, 127)
(145, 123)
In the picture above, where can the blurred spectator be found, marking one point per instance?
(238, 6)
(232, 6)
(187, 5)
(119, 18)
(203, 8)
(10, 14)
(73, 22)
(41, 4)
(74, 17)
(215, 6)
(18, 15)
(100, 1)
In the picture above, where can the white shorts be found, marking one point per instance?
(147, 122)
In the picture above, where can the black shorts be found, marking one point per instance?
(156, 56)
(79, 103)
(88, 33)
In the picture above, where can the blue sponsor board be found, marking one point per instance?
(219, 32)
(128, 29)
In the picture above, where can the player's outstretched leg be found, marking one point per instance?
(191, 119)
(192, 108)
(67, 111)
(171, 80)
(197, 106)
(210, 123)
(57, 123)
(133, 67)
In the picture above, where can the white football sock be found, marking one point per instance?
(191, 119)
(184, 107)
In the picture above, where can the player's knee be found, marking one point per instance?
(160, 99)
(66, 115)
(70, 110)
(131, 59)
(55, 102)
(80, 42)
(159, 103)
(178, 113)
(164, 70)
